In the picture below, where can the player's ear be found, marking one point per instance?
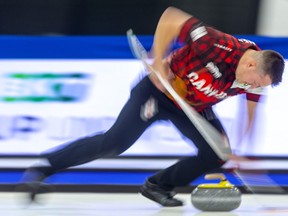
(252, 64)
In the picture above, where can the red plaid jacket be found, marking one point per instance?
(204, 67)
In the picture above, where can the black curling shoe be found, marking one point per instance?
(31, 183)
(157, 194)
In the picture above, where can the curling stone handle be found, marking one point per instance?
(215, 176)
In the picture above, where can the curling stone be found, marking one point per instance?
(216, 197)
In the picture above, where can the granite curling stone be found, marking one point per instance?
(216, 197)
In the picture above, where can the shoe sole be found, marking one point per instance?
(149, 196)
(34, 189)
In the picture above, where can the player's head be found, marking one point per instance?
(272, 64)
(260, 68)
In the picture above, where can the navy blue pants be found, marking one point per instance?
(145, 106)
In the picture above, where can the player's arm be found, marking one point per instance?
(168, 29)
(247, 128)
(251, 111)
(252, 97)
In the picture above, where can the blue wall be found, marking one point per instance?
(96, 47)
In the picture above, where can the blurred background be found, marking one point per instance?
(111, 17)
(57, 57)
